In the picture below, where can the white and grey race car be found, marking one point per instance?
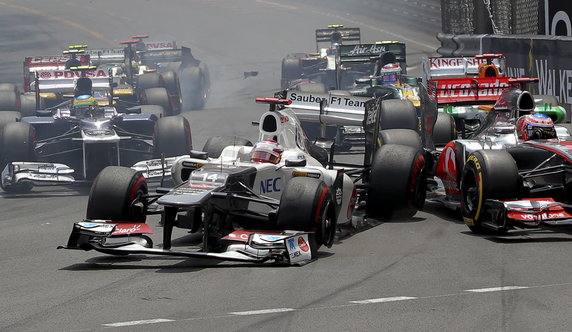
(248, 210)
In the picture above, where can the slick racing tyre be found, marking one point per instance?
(214, 145)
(8, 117)
(398, 114)
(172, 137)
(307, 204)
(397, 182)
(401, 136)
(312, 88)
(149, 81)
(194, 87)
(172, 82)
(444, 130)
(158, 96)
(17, 143)
(28, 104)
(488, 174)
(291, 66)
(116, 195)
(9, 100)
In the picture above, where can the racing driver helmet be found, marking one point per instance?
(266, 151)
(389, 73)
(535, 126)
(83, 105)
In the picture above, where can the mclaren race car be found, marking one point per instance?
(514, 172)
(274, 201)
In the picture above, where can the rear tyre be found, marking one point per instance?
(312, 87)
(158, 96)
(194, 88)
(291, 67)
(406, 137)
(28, 104)
(306, 205)
(9, 117)
(116, 195)
(9, 101)
(444, 130)
(214, 145)
(172, 137)
(398, 114)
(397, 182)
(172, 82)
(488, 174)
(149, 81)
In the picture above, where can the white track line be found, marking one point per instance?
(139, 322)
(261, 312)
(495, 289)
(384, 299)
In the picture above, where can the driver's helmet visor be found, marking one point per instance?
(538, 132)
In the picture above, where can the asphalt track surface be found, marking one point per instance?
(427, 274)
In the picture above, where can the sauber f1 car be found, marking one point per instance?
(274, 201)
(73, 141)
(502, 178)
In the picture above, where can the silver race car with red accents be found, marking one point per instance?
(514, 173)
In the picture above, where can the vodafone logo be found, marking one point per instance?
(303, 245)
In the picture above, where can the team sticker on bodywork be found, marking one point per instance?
(298, 248)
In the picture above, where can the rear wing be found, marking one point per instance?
(469, 89)
(106, 55)
(337, 34)
(47, 63)
(364, 53)
(63, 81)
(435, 67)
(182, 55)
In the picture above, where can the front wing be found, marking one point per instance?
(286, 247)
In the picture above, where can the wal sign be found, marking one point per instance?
(557, 14)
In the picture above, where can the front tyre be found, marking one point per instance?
(172, 137)
(488, 174)
(307, 205)
(116, 195)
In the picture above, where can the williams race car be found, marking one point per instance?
(72, 142)
(274, 201)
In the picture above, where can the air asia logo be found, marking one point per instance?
(302, 244)
(45, 75)
(367, 49)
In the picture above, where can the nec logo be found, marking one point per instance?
(270, 185)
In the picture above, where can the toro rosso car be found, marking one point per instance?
(274, 201)
(462, 86)
(513, 172)
(158, 64)
(73, 141)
